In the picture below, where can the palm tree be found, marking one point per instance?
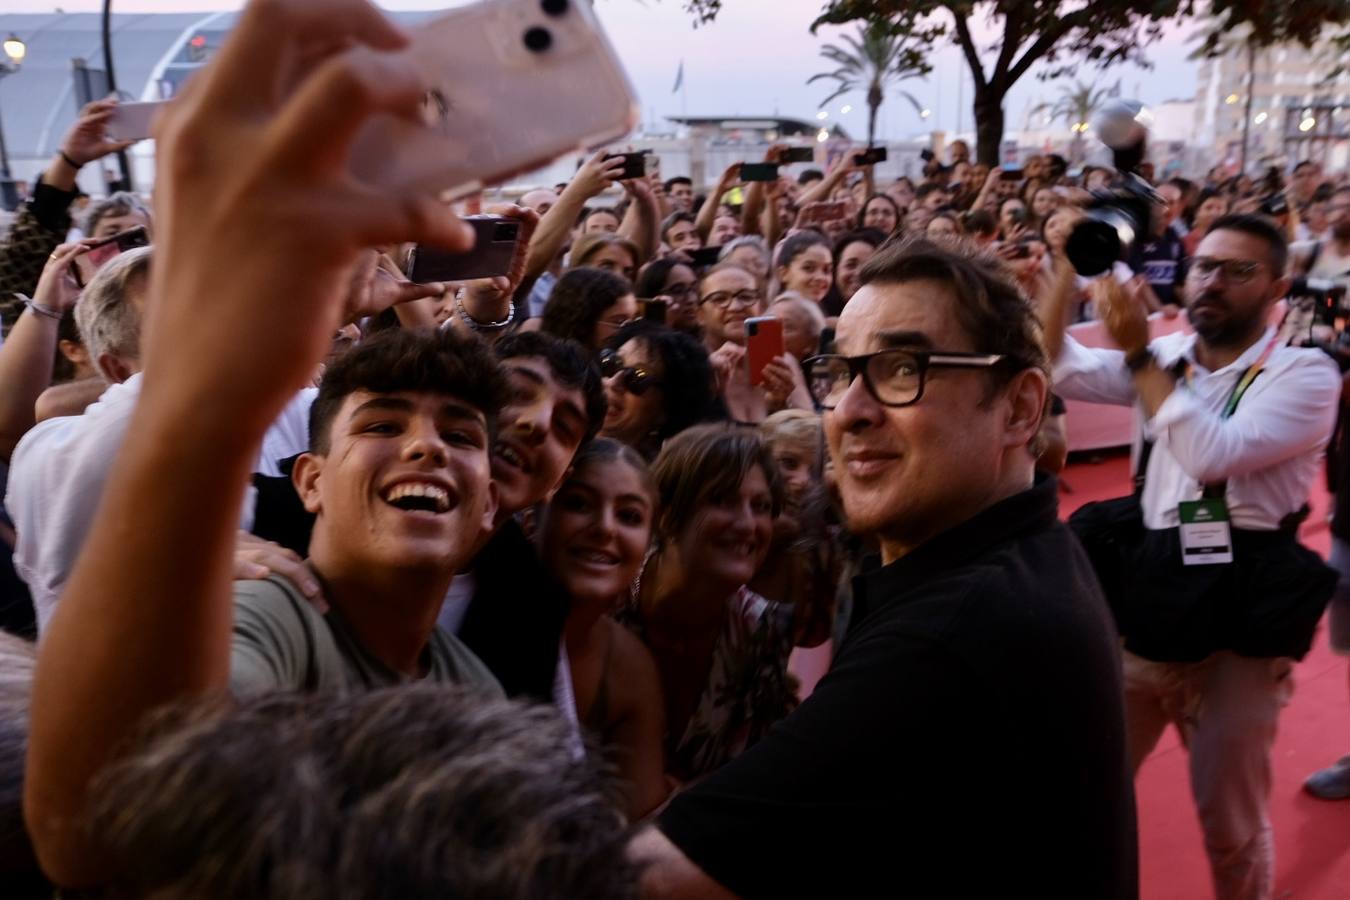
(872, 61)
(1075, 106)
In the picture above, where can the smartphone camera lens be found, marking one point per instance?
(554, 7)
(537, 39)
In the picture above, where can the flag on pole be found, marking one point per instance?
(679, 78)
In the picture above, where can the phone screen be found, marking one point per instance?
(799, 155)
(98, 252)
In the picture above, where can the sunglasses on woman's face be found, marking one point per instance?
(633, 379)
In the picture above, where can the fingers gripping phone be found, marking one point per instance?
(494, 247)
(763, 344)
(501, 98)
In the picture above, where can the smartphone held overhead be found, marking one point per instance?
(870, 157)
(501, 98)
(131, 121)
(759, 171)
(495, 240)
(635, 165)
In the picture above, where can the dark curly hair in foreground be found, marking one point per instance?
(417, 791)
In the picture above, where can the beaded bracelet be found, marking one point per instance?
(484, 326)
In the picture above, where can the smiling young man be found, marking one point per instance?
(398, 478)
(968, 740)
(504, 605)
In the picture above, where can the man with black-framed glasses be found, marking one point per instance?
(969, 739)
(1213, 594)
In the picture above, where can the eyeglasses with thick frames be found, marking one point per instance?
(893, 377)
(633, 379)
(1235, 271)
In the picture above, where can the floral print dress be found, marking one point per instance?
(748, 686)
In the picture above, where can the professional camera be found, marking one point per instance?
(1316, 317)
(1323, 296)
(1116, 218)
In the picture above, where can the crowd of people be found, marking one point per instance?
(322, 582)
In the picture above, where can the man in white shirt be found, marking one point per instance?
(1237, 425)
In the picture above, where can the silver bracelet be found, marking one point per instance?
(43, 310)
(484, 326)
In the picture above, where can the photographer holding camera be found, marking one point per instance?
(1211, 590)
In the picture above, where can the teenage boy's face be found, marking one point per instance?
(540, 430)
(406, 482)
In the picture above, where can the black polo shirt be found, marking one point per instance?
(969, 740)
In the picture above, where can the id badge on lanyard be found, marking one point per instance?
(1206, 529)
(1206, 536)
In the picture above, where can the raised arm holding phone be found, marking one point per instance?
(146, 616)
(707, 214)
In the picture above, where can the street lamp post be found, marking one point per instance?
(15, 50)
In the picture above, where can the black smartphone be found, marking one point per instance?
(870, 157)
(1011, 172)
(98, 252)
(799, 155)
(759, 171)
(635, 165)
(653, 310)
(706, 256)
(493, 249)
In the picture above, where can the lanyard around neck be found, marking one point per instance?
(1245, 381)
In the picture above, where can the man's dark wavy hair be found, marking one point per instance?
(989, 306)
(434, 362)
(570, 363)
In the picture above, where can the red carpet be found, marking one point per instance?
(1312, 837)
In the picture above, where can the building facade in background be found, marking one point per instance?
(1298, 111)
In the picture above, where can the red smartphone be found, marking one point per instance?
(763, 344)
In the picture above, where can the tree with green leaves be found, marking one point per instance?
(1075, 106)
(1060, 33)
(872, 61)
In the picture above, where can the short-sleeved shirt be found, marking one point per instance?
(282, 643)
(969, 740)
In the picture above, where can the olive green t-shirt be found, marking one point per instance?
(282, 643)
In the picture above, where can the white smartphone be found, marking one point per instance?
(131, 121)
(513, 85)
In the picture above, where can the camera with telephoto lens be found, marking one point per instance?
(1117, 217)
(1112, 222)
